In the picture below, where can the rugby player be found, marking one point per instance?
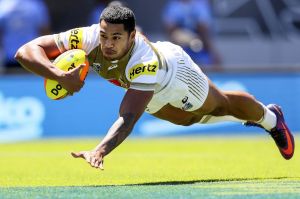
(160, 79)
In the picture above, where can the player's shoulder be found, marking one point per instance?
(143, 62)
(143, 47)
(78, 37)
(85, 38)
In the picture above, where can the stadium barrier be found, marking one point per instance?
(26, 112)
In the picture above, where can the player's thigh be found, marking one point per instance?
(216, 102)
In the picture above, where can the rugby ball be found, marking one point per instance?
(66, 61)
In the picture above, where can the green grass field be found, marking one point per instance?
(190, 167)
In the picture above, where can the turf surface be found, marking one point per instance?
(195, 167)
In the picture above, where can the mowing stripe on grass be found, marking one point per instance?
(242, 189)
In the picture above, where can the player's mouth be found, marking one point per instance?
(109, 52)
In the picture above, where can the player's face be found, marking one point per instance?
(114, 40)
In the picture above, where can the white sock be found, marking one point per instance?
(269, 120)
(209, 119)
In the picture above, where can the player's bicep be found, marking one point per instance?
(47, 43)
(135, 102)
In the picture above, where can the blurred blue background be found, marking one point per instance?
(27, 113)
(258, 43)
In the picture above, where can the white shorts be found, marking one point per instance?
(188, 86)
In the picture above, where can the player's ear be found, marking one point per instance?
(132, 35)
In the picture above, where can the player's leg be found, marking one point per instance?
(216, 105)
(241, 106)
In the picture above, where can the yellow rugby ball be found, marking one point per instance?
(66, 61)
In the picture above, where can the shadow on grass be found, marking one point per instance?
(204, 181)
(190, 182)
(171, 183)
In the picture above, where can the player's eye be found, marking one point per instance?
(103, 36)
(116, 38)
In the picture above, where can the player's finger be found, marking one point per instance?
(77, 69)
(88, 158)
(93, 161)
(101, 165)
(81, 84)
(77, 154)
(97, 163)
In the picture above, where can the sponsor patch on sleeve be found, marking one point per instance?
(75, 39)
(59, 42)
(148, 68)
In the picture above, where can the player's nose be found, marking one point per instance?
(108, 44)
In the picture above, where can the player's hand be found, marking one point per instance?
(94, 158)
(70, 80)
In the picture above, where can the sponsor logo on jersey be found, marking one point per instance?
(143, 69)
(75, 39)
(186, 104)
(59, 42)
(112, 67)
(96, 67)
(114, 64)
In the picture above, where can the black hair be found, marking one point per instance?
(119, 15)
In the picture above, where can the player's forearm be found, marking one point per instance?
(116, 134)
(33, 58)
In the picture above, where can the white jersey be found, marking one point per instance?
(141, 70)
(162, 67)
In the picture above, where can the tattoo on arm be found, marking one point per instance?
(117, 133)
